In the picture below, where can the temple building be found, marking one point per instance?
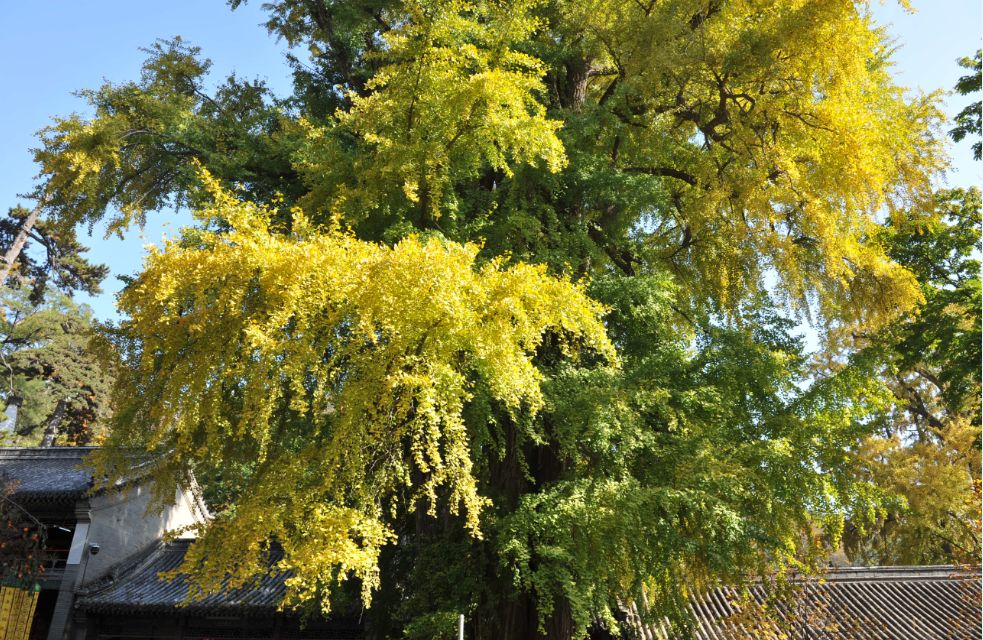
(106, 553)
(87, 533)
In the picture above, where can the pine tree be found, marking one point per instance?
(51, 373)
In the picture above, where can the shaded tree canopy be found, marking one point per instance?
(495, 314)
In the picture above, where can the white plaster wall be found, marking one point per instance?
(122, 526)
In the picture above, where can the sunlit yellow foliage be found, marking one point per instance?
(938, 479)
(736, 139)
(349, 364)
(454, 96)
(777, 127)
(126, 159)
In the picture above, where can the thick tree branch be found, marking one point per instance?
(667, 172)
(621, 258)
(13, 252)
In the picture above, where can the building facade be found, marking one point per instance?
(88, 533)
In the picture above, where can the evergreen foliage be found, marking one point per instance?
(969, 121)
(61, 261)
(50, 370)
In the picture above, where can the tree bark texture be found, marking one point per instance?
(13, 252)
(51, 429)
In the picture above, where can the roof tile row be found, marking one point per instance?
(910, 603)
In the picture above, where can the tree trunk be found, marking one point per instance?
(51, 429)
(13, 252)
(574, 92)
(9, 422)
(517, 618)
(515, 613)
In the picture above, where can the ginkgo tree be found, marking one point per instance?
(373, 351)
(491, 316)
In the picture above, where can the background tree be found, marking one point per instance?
(353, 341)
(61, 261)
(968, 121)
(50, 372)
(926, 450)
(927, 447)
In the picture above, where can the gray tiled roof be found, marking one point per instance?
(879, 603)
(138, 588)
(46, 473)
(916, 603)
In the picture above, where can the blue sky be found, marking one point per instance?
(50, 48)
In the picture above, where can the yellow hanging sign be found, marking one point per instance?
(16, 612)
